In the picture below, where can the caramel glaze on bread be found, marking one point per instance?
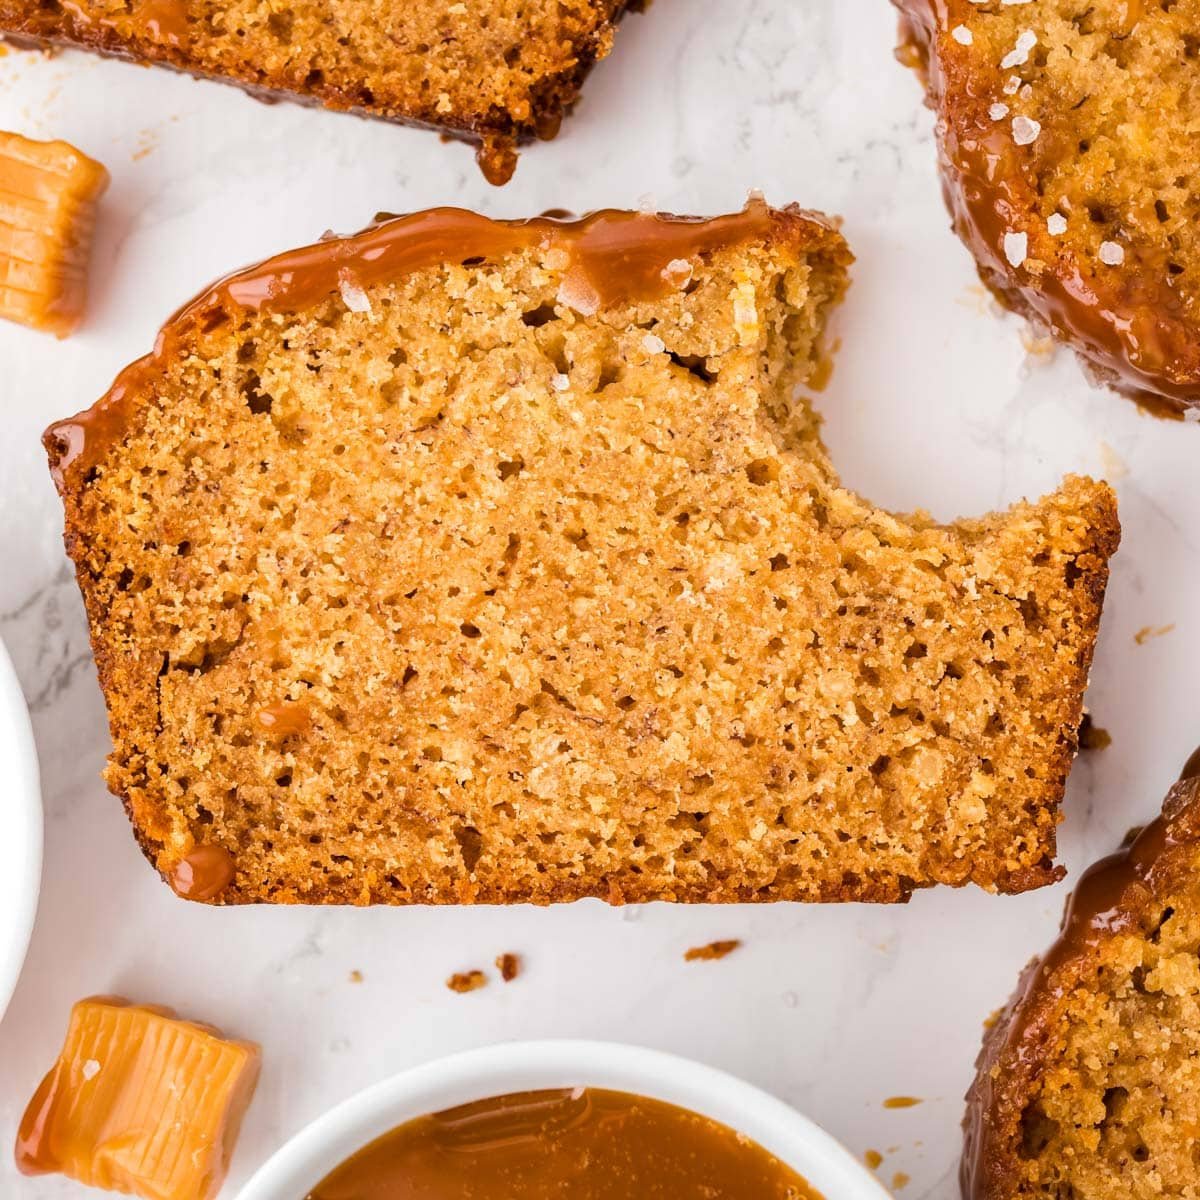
(464, 560)
(1065, 137)
(1089, 1084)
(494, 72)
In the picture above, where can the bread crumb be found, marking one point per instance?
(872, 1158)
(993, 1018)
(901, 1102)
(509, 966)
(356, 977)
(899, 1180)
(713, 950)
(466, 981)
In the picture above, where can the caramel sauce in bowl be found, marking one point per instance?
(592, 1103)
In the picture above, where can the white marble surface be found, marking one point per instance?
(934, 403)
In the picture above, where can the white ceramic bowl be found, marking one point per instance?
(20, 829)
(527, 1066)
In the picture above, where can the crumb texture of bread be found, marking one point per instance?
(497, 71)
(1065, 132)
(1089, 1086)
(485, 582)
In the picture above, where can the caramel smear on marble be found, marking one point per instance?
(1091, 736)
(713, 951)
(1149, 632)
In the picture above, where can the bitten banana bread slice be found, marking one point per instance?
(1066, 132)
(495, 72)
(472, 561)
(1089, 1085)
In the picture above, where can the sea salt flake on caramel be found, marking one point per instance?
(48, 194)
(139, 1103)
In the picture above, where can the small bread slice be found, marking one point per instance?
(1089, 1084)
(1064, 134)
(493, 72)
(475, 561)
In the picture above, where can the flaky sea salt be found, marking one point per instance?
(1019, 54)
(998, 112)
(90, 1069)
(1012, 85)
(962, 35)
(1056, 224)
(1025, 130)
(576, 292)
(678, 272)
(1016, 248)
(354, 298)
(560, 383)
(653, 344)
(1112, 254)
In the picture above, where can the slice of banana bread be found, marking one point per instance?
(1064, 133)
(494, 72)
(476, 561)
(1089, 1085)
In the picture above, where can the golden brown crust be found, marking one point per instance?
(195, 37)
(995, 617)
(1118, 903)
(1132, 317)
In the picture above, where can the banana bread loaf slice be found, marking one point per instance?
(476, 561)
(494, 72)
(1064, 132)
(1089, 1085)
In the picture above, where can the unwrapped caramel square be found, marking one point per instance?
(139, 1102)
(48, 194)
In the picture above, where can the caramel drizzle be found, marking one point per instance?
(612, 258)
(285, 719)
(203, 874)
(1126, 334)
(162, 21)
(1104, 903)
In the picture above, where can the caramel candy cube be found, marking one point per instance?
(48, 194)
(139, 1102)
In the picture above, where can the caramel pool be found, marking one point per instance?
(583, 1144)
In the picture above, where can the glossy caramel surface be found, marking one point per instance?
(612, 257)
(584, 1144)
